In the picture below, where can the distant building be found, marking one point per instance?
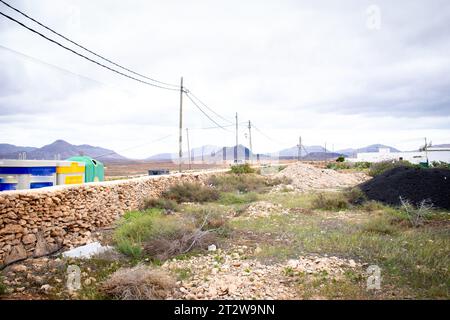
(384, 154)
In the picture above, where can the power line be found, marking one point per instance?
(215, 127)
(83, 56)
(204, 104)
(220, 126)
(265, 135)
(49, 64)
(138, 146)
(84, 48)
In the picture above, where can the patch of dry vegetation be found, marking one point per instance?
(139, 283)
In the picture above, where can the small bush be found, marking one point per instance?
(348, 165)
(279, 180)
(191, 192)
(240, 183)
(163, 248)
(355, 196)
(362, 165)
(416, 214)
(242, 169)
(230, 198)
(139, 283)
(380, 225)
(338, 165)
(440, 165)
(330, 201)
(372, 206)
(139, 227)
(378, 168)
(340, 159)
(159, 203)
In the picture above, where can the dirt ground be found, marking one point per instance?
(277, 246)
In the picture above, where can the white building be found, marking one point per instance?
(384, 154)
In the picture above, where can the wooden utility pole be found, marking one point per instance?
(180, 154)
(250, 140)
(189, 148)
(237, 141)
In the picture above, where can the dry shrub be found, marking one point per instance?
(139, 283)
(159, 203)
(165, 248)
(191, 192)
(330, 201)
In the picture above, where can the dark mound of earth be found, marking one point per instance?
(413, 184)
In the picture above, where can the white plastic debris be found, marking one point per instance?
(212, 247)
(87, 250)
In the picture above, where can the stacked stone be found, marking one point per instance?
(39, 222)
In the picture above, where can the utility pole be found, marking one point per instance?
(299, 146)
(237, 141)
(326, 159)
(250, 140)
(189, 148)
(180, 154)
(425, 149)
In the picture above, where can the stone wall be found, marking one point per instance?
(41, 221)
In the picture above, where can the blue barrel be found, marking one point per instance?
(27, 174)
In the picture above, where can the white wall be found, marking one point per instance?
(413, 157)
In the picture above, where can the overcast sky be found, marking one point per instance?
(348, 73)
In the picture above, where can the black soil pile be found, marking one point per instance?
(413, 184)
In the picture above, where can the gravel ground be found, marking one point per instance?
(235, 274)
(306, 177)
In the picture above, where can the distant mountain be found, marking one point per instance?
(371, 148)
(206, 150)
(61, 149)
(313, 156)
(293, 152)
(445, 145)
(6, 148)
(162, 157)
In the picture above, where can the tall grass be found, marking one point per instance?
(138, 227)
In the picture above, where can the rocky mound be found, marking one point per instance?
(307, 177)
(413, 184)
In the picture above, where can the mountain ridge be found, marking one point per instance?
(59, 149)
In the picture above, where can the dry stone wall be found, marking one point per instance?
(37, 222)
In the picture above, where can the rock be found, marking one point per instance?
(293, 263)
(42, 247)
(17, 253)
(18, 268)
(258, 250)
(212, 247)
(11, 229)
(29, 238)
(46, 288)
(352, 263)
(183, 290)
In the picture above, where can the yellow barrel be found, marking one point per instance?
(70, 172)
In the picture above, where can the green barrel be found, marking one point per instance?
(424, 164)
(95, 170)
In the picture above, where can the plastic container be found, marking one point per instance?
(27, 174)
(94, 170)
(70, 172)
(8, 183)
